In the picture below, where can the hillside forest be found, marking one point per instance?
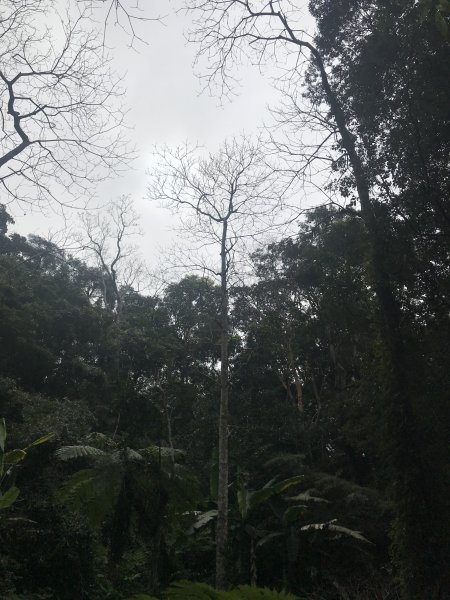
(274, 425)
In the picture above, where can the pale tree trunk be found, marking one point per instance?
(241, 168)
(222, 493)
(253, 567)
(166, 411)
(293, 368)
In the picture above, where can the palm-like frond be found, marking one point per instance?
(308, 496)
(249, 499)
(202, 520)
(163, 452)
(126, 454)
(338, 529)
(81, 451)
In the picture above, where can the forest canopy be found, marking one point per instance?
(273, 423)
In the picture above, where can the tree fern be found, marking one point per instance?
(92, 492)
(82, 451)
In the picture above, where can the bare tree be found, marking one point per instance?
(104, 240)
(61, 119)
(232, 197)
(128, 15)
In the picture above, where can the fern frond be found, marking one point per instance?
(75, 487)
(92, 492)
(308, 497)
(73, 452)
(188, 590)
(202, 520)
(126, 454)
(331, 526)
(100, 440)
(161, 451)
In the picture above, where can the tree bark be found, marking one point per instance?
(222, 493)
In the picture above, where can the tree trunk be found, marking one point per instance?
(222, 492)
(253, 568)
(419, 548)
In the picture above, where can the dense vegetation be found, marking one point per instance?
(338, 379)
(127, 504)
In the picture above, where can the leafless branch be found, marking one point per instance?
(104, 239)
(228, 33)
(61, 115)
(236, 186)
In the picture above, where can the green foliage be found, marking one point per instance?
(2, 434)
(9, 460)
(252, 593)
(73, 452)
(186, 590)
(192, 591)
(9, 497)
(439, 10)
(129, 504)
(42, 440)
(249, 499)
(392, 81)
(203, 519)
(93, 492)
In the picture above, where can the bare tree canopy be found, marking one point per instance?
(236, 185)
(62, 122)
(105, 240)
(275, 36)
(125, 14)
(227, 33)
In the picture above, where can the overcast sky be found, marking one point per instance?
(166, 105)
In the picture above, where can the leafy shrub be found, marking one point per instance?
(190, 590)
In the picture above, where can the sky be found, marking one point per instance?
(166, 106)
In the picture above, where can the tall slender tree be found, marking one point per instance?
(232, 196)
